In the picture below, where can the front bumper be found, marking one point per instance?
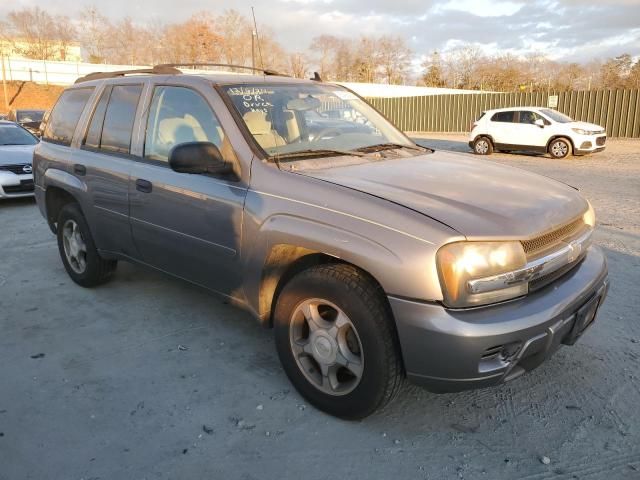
(15, 186)
(584, 144)
(450, 350)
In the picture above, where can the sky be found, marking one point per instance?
(568, 30)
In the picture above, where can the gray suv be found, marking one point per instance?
(373, 259)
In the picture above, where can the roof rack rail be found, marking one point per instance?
(157, 70)
(264, 71)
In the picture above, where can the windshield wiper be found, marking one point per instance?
(388, 146)
(321, 152)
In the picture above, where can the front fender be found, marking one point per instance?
(405, 274)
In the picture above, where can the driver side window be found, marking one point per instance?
(179, 115)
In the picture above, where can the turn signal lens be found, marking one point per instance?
(589, 218)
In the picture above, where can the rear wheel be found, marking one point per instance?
(79, 255)
(336, 341)
(483, 146)
(559, 148)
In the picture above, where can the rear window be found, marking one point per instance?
(119, 118)
(506, 117)
(30, 116)
(65, 115)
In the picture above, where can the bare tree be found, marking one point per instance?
(94, 28)
(394, 58)
(236, 32)
(433, 75)
(298, 64)
(33, 31)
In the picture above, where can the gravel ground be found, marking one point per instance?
(150, 377)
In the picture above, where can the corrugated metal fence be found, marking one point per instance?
(617, 110)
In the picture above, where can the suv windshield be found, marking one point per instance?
(288, 121)
(556, 116)
(14, 135)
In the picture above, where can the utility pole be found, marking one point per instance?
(4, 83)
(253, 48)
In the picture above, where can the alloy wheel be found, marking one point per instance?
(482, 147)
(326, 346)
(75, 248)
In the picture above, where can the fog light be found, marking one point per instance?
(585, 145)
(510, 350)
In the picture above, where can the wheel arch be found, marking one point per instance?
(283, 262)
(564, 137)
(56, 198)
(484, 135)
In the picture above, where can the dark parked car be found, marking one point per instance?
(374, 259)
(29, 119)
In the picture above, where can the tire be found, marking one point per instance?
(483, 146)
(559, 148)
(345, 296)
(79, 255)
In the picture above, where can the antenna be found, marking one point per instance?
(255, 29)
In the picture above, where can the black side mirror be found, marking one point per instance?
(198, 157)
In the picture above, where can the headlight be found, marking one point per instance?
(459, 263)
(589, 217)
(581, 131)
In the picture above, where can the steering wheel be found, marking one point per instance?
(325, 132)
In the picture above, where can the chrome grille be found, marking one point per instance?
(17, 169)
(551, 239)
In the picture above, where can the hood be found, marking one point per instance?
(478, 198)
(16, 154)
(586, 126)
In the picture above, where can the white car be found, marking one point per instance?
(16, 156)
(535, 129)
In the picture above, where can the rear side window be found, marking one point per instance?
(505, 117)
(65, 115)
(119, 118)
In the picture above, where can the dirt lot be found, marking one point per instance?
(149, 377)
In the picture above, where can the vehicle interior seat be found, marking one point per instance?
(291, 124)
(262, 130)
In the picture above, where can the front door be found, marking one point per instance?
(527, 132)
(189, 225)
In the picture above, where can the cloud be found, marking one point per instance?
(575, 30)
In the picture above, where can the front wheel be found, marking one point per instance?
(482, 146)
(559, 148)
(336, 341)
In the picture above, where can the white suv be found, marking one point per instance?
(536, 129)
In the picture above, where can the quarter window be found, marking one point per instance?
(92, 139)
(505, 117)
(65, 115)
(119, 118)
(179, 115)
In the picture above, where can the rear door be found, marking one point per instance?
(105, 162)
(186, 224)
(502, 128)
